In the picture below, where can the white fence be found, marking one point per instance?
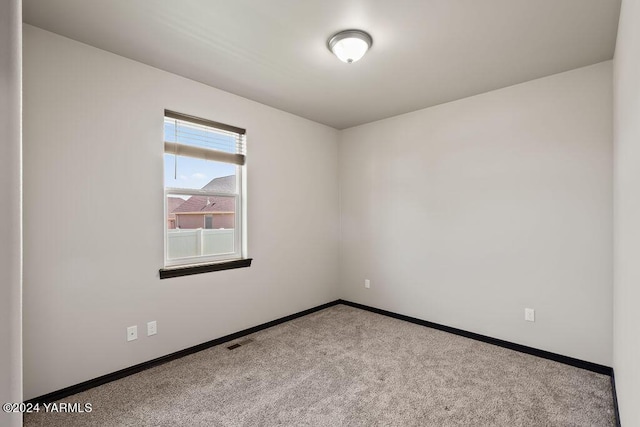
(189, 243)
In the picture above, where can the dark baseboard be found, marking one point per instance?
(594, 367)
(616, 410)
(77, 388)
(74, 389)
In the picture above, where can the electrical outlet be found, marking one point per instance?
(529, 314)
(367, 283)
(132, 333)
(152, 328)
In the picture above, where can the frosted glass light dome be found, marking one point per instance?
(350, 45)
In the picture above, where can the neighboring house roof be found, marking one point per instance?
(197, 204)
(225, 184)
(173, 203)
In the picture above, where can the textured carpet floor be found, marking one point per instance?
(343, 366)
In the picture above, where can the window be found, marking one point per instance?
(203, 200)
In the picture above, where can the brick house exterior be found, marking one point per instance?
(206, 212)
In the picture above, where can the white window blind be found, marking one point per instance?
(203, 139)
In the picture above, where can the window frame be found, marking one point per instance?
(204, 263)
(208, 217)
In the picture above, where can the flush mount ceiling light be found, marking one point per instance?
(350, 45)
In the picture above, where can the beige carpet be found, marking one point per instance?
(343, 366)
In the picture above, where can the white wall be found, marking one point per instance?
(10, 222)
(626, 321)
(466, 213)
(93, 151)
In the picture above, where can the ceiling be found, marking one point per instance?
(425, 52)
